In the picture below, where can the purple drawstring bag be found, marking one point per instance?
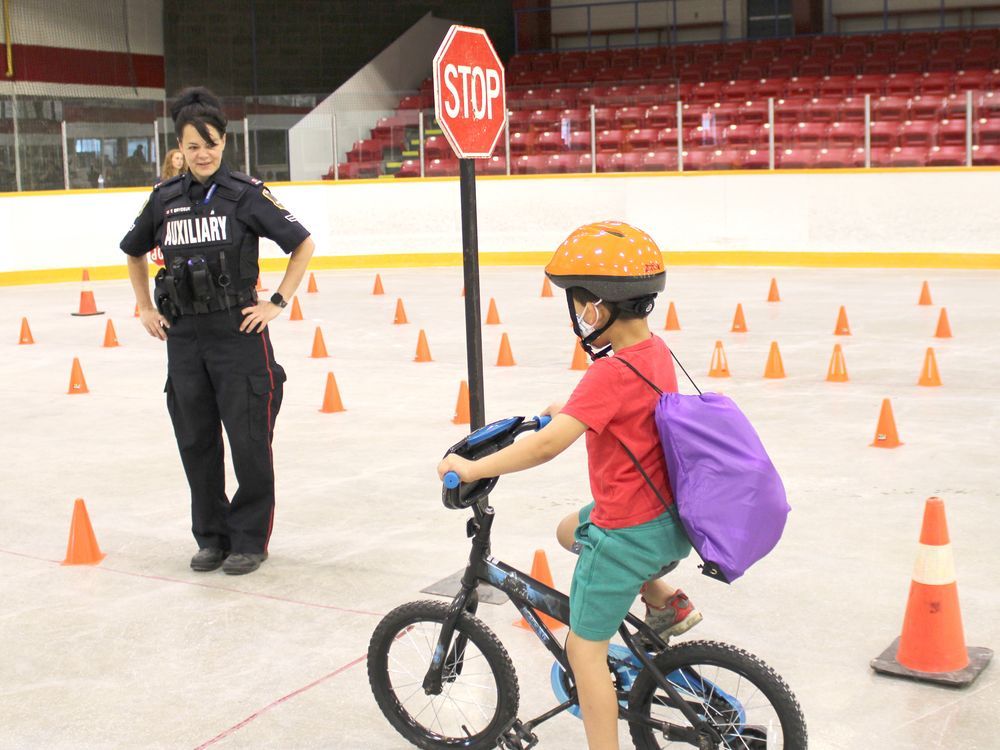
(727, 494)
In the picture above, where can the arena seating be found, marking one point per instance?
(916, 83)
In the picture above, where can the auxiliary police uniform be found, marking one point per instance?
(215, 373)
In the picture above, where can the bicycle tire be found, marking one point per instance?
(427, 617)
(712, 657)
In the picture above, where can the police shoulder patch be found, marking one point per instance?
(176, 178)
(246, 178)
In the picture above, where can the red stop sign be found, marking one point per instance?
(469, 97)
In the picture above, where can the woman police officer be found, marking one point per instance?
(220, 364)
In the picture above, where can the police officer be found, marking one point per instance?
(220, 364)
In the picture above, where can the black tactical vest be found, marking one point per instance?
(209, 229)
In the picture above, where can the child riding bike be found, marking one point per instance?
(612, 273)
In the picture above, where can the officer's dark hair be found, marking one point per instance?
(198, 107)
(627, 310)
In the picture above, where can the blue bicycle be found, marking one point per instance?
(444, 680)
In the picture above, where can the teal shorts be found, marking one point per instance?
(613, 566)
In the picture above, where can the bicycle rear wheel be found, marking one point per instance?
(744, 699)
(479, 697)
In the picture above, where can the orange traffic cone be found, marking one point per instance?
(739, 322)
(506, 357)
(312, 288)
(775, 368)
(492, 316)
(296, 313)
(943, 327)
(319, 345)
(135, 312)
(672, 323)
(87, 305)
(76, 382)
(580, 359)
(82, 548)
(86, 275)
(925, 295)
(546, 288)
(838, 368)
(400, 318)
(423, 350)
(462, 407)
(842, 329)
(719, 367)
(25, 337)
(885, 434)
(378, 285)
(932, 647)
(541, 573)
(110, 337)
(929, 375)
(260, 286)
(772, 294)
(331, 398)
(463, 290)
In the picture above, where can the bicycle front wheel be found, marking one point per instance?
(479, 697)
(746, 701)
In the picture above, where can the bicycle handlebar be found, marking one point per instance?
(451, 480)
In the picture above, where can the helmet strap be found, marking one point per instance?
(587, 341)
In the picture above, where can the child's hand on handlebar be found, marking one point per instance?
(554, 408)
(465, 468)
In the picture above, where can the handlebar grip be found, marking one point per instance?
(543, 421)
(451, 480)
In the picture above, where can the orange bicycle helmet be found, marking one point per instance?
(614, 261)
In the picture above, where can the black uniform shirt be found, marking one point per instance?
(258, 210)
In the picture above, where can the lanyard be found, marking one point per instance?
(209, 194)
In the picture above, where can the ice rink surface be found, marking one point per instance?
(141, 652)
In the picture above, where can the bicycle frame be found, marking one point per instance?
(528, 595)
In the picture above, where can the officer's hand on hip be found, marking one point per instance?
(154, 323)
(256, 318)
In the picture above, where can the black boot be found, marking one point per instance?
(241, 563)
(207, 558)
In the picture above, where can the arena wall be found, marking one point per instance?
(879, 218)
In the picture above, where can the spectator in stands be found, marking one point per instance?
(173, 164)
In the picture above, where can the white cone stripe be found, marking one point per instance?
(935, 565)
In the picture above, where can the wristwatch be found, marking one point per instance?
(277, 299)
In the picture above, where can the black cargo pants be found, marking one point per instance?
(219, 377)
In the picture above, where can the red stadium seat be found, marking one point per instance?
(795, 158)
(579, 118)
(912, 156)
(811, 134)
(754, 113)
(874, 85)
(409, 168)
(891, 108)
(907, 63)
(837, 158)
(492, 166)
(628, 118)
(579, 140)
(826, 110)
(610, 140)
(625, 162)
(917, 133)
(528, 164)
(659, 161)
(519, 120)
(813, 68)
(436, 147)
(790, 110)
(756, 159)
(902, 84)
(951, 133)
(641, 139)
(988, 132)
(745, 135)
(549, 142)
(727, 114)
(706, 93)
(884, 134)
(835, 87)
(986, 156)
(441, 168)
(946, 156)
(522, 143)
(936, 84)
(725, 159)
(880, 157)
(849, 134)
(975, 80)
(544, 119)
(926, 107)
(604, 117)
(562, 163)
(852, 109)
(661, 116)
(784, 132)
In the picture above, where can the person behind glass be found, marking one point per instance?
(220, 365)
(173, 165)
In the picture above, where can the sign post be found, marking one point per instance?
(471, 108)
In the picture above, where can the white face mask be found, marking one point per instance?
(587, 328)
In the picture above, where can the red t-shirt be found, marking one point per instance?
(616, 404)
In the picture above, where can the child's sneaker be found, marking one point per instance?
(677, 616)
